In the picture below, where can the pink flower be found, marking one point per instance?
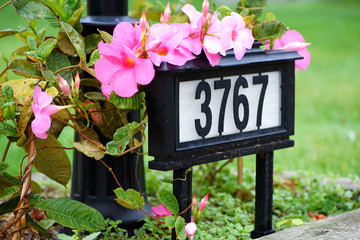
(64, 86)
(235, 35)
(190, 229)
(293, 40)
(77, 82)
(120, 69)
(167, 13)
(161, 211)
(203, 202)
(164, 44)
(43, 110)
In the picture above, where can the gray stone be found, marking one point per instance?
(345, 226)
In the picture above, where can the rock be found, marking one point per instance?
(341, 227)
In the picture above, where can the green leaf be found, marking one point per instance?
(53, 162)
(91, 42)
(24, 68)
(130, 103)
(7, 32)
(94, 57)
(9, 206)
(122, 138)
(270, 17)
(130, 199)
(4, 58)
(106, 36)
(95, 96)
(58, 8)
(31, 42)
(9, 180)
(75, 40)
(46, 48)
(89, 149)
(57, 60)
(169, 201)
(249, 228)
(223, 11)
(71, 213)
(63, 236)
(254, 6)
(29, 8)
(7, 130)
(75, 18)
(9, 192)
(3, 167)
(92, 236)
(180, 228)
(170, 221)
(33, 224)
(269, 30)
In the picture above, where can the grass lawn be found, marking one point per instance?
(327, 127)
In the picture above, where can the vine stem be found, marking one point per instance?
(112, 172)
(1, 8)
(152, 216)
(6, 151)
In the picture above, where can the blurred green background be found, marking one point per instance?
(327, 126)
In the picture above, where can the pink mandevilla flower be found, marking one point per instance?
(235, 35)
(293, 40)
(161, 211)
(190, 229)
(43, 110)
(120, 69)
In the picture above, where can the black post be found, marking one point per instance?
(182, 189)
(92, 184)
(263, 195)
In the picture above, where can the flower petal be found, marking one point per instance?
(214, 59)
(124, 84)
(145, 71)
(303, 63)
(40, 125)
(292, 36)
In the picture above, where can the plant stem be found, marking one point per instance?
(5, 151)
(112, 172)
(1, 8)
(152, 216)
(64, 68)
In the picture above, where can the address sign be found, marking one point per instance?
(200, 114)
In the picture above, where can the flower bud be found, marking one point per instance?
(64, 85)
(143, 23)
(203, 202)
(77, 82)
(205, 8)
(167, 13)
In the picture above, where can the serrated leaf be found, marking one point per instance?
(106, 36)
(29, 8)
(94, 57)
(169, 201)
(269, 30)
(53, 162)
(91, 42)
(89, 149)
(24, 68)
(57, 60)
(180, 228)
(129, 103)
(7, 130)
(9, 206)
(75, 40)
(75, 18)
(170, 221)
(130, 199)
(46, 48)
(7, 32)
(71, 213)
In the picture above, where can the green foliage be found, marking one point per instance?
(169, 201)
(24, 68)
(71, 213)
(180, 228)
(30, 9)
(130, 198)
(113, 231)
(75, 39)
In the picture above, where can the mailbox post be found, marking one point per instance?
(200, 114)
(91, 182)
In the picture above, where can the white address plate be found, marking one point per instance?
(228, 105)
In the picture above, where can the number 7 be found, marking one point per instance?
(226, 85)
(264, 80)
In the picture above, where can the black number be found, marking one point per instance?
(226, 85)
(204, 87)
(264, 81)
(240, 100)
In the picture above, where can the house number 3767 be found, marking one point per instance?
(240, 102)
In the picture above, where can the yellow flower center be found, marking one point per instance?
(162, 51)
(129, 62)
